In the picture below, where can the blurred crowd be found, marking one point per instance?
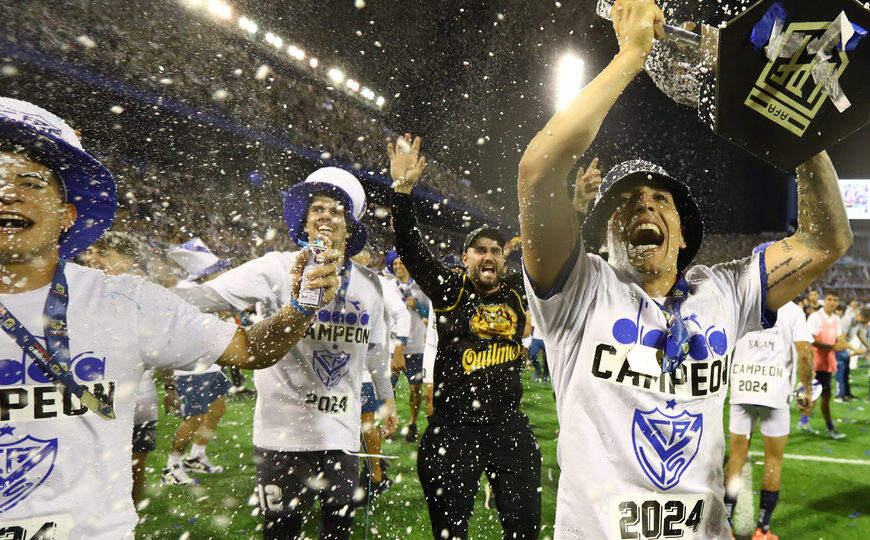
(215, 68)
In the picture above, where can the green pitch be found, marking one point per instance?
(819, 499)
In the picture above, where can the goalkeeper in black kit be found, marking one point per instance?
(477, 424)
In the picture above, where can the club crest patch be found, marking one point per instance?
(666, 445)
(24, 465)
(330, 367)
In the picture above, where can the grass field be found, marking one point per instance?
(819, 499)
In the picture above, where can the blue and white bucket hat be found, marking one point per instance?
(628, 174)
(87, 184)
(333, 182)
(196, 259)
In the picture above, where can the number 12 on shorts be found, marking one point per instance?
(658, 516)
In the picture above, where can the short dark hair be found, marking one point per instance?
(483, 232)
(830, 292)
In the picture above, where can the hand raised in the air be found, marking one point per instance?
(406, 164)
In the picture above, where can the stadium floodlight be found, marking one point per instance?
(296, 52)
(220, 9)
(380, 101)
(353, 85)
(367, 93)
(248, 25)
(278, 42)
(569, 79)
(270, 38)
(336, 75)
(314, 62)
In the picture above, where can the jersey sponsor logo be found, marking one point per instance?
(494, 321)
(331, 367)
(56, 527)
(665, 445)
(46, 402)
(704, 340)
(493, 355)
(691, 380)
(24, 465)
(86, 367)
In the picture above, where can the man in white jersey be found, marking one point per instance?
(65, 428)
(200, 395)
(763, 375)
(307, 418)
(639, 351)
(418, 308)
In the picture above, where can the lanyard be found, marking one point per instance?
(55, 361)
(677, 345)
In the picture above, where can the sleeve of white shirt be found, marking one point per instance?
(743, 278)
(377, 357)
(560, 310)
(173, 334)
(259, 280)
(800, 331)
(397, 309)
(430, 349)
(814, 323)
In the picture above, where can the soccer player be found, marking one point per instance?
(762, 377)
(853, 331)
(201, 394)
(476, 424)
(418, 309)
(78, 340)
(640, 345)
(824, 325)
(307, 418)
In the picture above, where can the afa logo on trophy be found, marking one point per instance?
(330, 367)
(24, 465)
(666, 445)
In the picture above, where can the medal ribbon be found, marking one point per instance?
(677, 344)
(54, 361)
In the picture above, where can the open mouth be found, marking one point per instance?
(488, 272)
(646, 236)
(14, 222)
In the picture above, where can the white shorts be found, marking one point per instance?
(774, 422)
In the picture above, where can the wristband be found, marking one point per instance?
(300, 309)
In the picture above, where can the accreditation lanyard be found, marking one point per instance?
(55, 361)
(677, 344)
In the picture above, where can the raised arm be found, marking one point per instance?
(822, 237)
(437, 282)
(266, 342)
(549, 222)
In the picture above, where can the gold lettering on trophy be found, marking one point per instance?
(785, 92)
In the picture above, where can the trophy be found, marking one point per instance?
(783, 79)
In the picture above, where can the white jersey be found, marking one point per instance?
(764, 367)
(146, 399)
(310, 399)
(430, 349)
(63, 464)
(398, 320)
(417, 333)
(637, 446)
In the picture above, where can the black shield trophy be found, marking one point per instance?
(784, 79)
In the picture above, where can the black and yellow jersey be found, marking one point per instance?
(479, 359)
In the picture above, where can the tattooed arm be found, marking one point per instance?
(822, 237)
